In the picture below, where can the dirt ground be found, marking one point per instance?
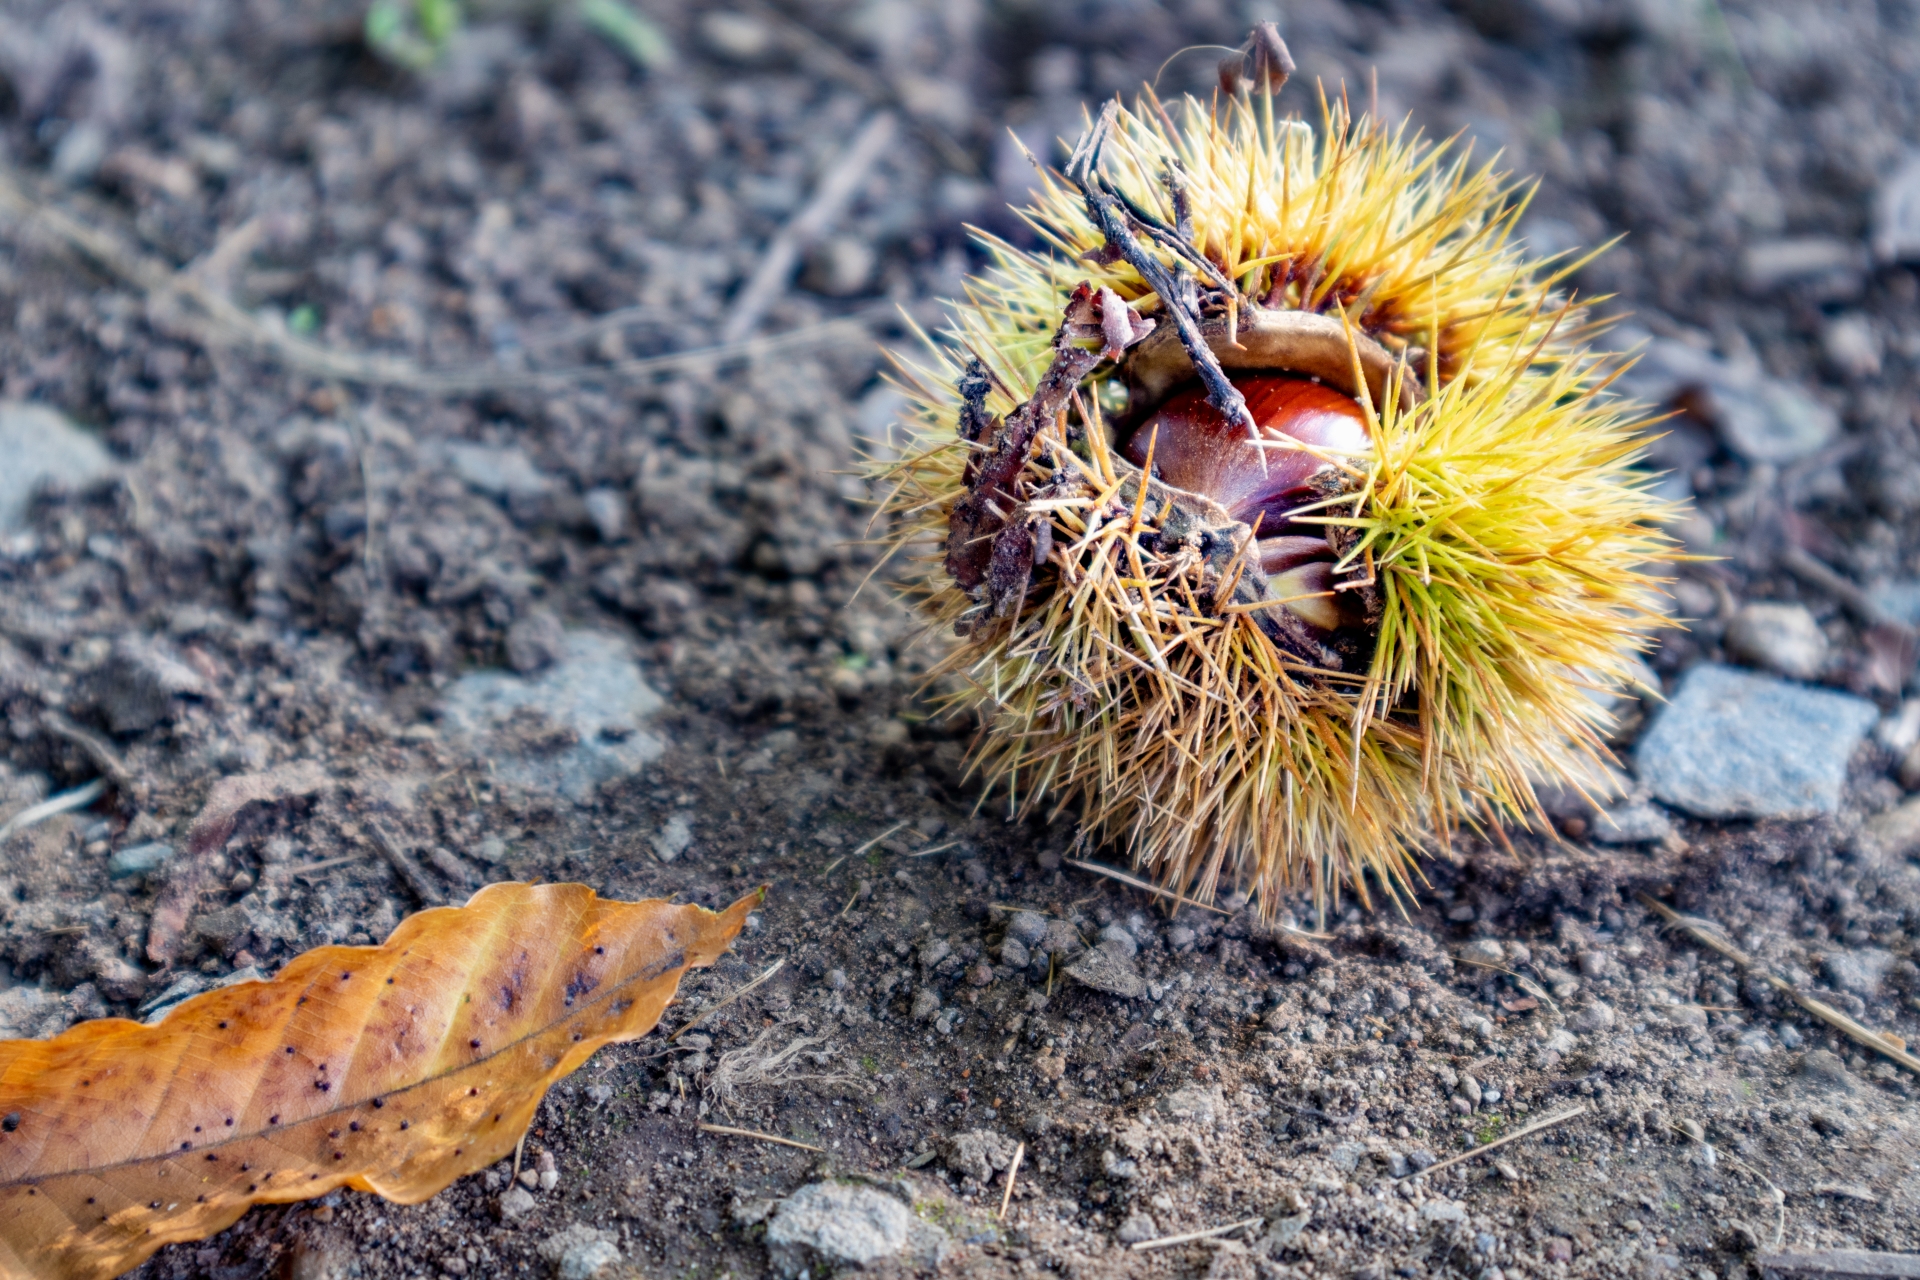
(333, 570)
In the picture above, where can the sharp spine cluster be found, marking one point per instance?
(1132, 627)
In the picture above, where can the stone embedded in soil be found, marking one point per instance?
(1201, 1104)
(1635, 822)
(978, 1154)
(673, 839)
(1896, 214)
(1782, 638)
(579, 1252)
(1108, 967)
(1027, 927)
(1861, 970)
(594, 703)
(1895, 833)
(136, 687)
(834, 1224)
(1137, 1227)
(1733, 744)
(1597, 1016)
(514, 1203)
(498, 472)
(138, 859)
(535, 641)
(1761, 418)
(41, 448)
(1824, 1067)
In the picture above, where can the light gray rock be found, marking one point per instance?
(674, 839)
(1899, 600)
(535, 641)
(1852, 345)
(1895, 833)
(1782, 638)
(1028, 927)
(1896, 214)
(138, 859)
(41, 448)
(515, 1203)
(1635, 822)
(1200, 1104)
(1109, 967)
(1138, 1227)
(1833, 267)
(1117, 934)
(1762, 418)
(1734, 744)
(498, 472)
(579, 1252)
(1597, 1016)
(594, 695)
(1484, 951)
(1861, 970)
(978, 1154)
(835, 1224)
(1061, 940)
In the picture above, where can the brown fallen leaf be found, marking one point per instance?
(393, 1069)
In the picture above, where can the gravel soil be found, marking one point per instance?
(598, 620)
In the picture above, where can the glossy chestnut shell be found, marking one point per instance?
(1310, 429)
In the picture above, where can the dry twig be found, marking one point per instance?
(732, 1132)
(1187, 1237)
(837, 188)
(1840, 1264)
(698, 1018)
(418, 883)
(1709, 935)
(1013, 1171)
(78, 798)
(1524, 1131)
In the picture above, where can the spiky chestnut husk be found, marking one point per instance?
(1140, 648)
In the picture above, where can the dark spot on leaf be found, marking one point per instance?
(11, 1122)
(473, 1044)
(322, 1085)
(379, 1102)
(273, 1119)
(186, 1146)
(405, 1123)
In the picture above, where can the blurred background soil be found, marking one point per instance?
(443, 428)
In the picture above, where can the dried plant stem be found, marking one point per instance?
(732, 1132)
(836, 190)
(1708, 935)
(66, 801)
(1013, 1171)
(1145, 886)
(1523, 1132)
(697, 1018)
(1187, 1237)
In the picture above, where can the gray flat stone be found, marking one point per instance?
(594, 695)
(836, 1224)
(42, 448)
(1733, 744)
(1109, 968)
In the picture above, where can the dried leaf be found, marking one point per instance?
(393, 1069)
